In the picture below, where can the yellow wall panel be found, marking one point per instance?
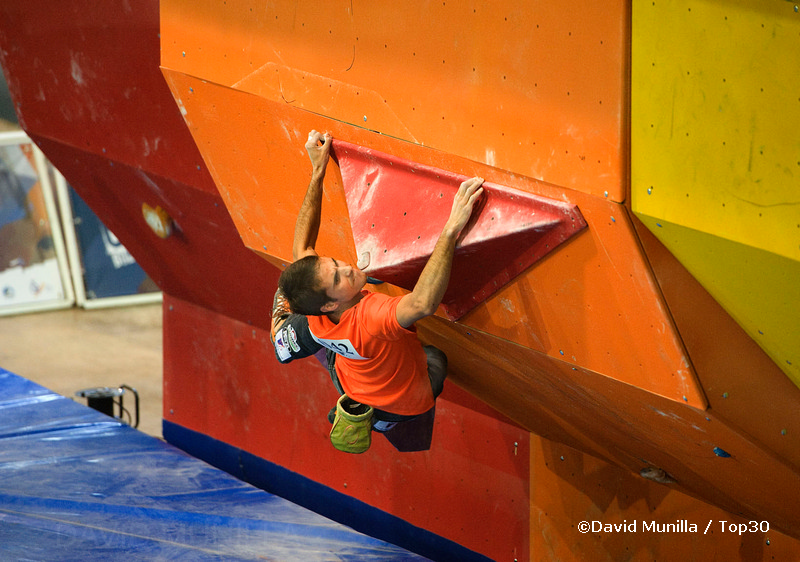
(759, 289)
(716, 118)
(715, 153)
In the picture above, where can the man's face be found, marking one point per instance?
(342, 282)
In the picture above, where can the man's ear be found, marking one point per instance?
(329, 306)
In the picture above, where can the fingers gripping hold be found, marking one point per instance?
(468, 194)
(318, 153)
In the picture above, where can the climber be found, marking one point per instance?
(374, 356)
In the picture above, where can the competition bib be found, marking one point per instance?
(340, 347)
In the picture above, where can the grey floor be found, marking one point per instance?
(74, 349)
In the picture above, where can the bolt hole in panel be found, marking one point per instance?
(398, 208)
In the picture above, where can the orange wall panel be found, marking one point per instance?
(521, 86)
(574, 489)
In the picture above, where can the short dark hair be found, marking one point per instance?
(299, 283)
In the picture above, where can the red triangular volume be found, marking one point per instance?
(398, 209)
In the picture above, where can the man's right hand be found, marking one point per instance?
(463, 203)
(432, 283)
(319, 153)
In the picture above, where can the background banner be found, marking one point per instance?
(109, 270)
(30, 271)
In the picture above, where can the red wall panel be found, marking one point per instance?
(222, 379)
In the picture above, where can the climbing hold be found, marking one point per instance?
(509, 231)
(721, 452)
(363, 260)
(656, 475)
(158, 220)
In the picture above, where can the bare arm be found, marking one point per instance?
(432, 283)
(306, 227)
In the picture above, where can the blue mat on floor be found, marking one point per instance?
(78, 485)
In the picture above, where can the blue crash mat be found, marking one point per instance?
(78, 485)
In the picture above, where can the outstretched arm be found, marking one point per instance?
(306, 227)
(432, 283)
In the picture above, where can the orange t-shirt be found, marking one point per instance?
(378, 362)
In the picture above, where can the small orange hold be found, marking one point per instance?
(158, 220)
